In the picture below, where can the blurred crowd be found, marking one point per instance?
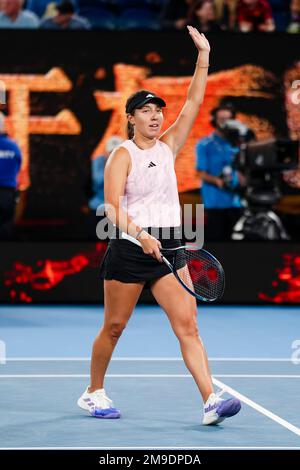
(206, 15)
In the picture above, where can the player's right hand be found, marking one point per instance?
(151, 246)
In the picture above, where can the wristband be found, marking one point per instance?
(139, 233)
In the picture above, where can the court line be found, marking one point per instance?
(217, 382)
(84, 376)
(257, 376)
(133, 359)
(257, 407)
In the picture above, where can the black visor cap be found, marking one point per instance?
(141, 98)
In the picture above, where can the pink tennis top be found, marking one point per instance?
(151, 194)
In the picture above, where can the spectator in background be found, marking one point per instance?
(294, 26)
(98, 165)
(50, 11)
(226, 14)
(202, 16)
(65, 18)
(10, 163)
(174, 14)
(12, 15)
(94, 188)
(215, 157)
(255, 15)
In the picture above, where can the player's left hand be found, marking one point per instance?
(199, 39)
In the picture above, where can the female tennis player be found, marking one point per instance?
(142, 170)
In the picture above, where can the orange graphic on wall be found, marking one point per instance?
(246, 81)
(20, 124)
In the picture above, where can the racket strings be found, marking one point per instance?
(200, 273)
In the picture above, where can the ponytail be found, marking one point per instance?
(130, 130)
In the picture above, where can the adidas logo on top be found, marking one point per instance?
(151, 164)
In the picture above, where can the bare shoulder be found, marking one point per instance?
(119, 158)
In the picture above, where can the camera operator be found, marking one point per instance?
(215, 157)
(10, 163)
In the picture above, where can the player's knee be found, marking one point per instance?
(116, 329)
(187, 328)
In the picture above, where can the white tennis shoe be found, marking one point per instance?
(216, 409)
(98, 404)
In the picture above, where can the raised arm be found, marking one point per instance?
(176, 135)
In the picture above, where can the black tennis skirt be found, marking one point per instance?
(126, 262)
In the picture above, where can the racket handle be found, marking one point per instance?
(130, 238)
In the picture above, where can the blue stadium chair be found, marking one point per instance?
(280, 4)
(281, 20)
(138, 18)
(281, 13)
(39, 6)
(100, 18)
(146, 4)
(96, 3)
(125, 4)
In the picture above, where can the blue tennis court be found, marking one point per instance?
(253, 356)
(150, 171)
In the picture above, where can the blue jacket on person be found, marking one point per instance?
(98, 166)
(10, 162)
(213, 155)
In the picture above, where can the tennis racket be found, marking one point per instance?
(197, 270)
